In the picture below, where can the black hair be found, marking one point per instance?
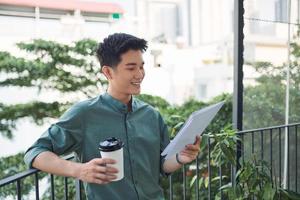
(110, 50)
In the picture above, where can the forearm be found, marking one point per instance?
(171, 165)
(51, 163)
(187, 155)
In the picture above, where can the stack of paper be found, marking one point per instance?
(195, 125)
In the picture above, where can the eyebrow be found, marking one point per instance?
(134, 64)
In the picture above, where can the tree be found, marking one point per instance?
(53, 67)
(266, 100)
(264, 103)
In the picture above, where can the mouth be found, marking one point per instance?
(136, 83)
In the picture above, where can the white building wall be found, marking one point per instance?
(211, 39)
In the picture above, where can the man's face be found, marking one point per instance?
(128, 75)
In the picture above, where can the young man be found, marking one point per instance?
(113, 114)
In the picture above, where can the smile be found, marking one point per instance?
(136, 83)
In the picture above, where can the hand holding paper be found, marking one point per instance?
(190, 152)
(195, 125)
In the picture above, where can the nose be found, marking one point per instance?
(140, 74)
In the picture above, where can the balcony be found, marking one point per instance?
(276, 148)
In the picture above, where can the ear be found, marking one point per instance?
(107, 72)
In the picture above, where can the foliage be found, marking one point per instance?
(51, 67)
(266, 100)
(38, 112)
(222, 147)
(254, 180)
(12, 165)
(175, 115)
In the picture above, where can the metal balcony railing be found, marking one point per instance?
(266, 143)
(17, 179)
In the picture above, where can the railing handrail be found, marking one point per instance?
(267, 128)
(26, 173)
(17, 176)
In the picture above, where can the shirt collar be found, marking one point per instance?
(120, 106)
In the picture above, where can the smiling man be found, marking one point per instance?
(115, 113)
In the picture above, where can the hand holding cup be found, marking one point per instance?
(98, 171)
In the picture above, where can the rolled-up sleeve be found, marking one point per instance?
(61, 138)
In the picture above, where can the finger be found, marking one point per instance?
(105, 169)
(187, 158)
(105, 177)
(197, 140)
(103, 161)
(192, 147)
(191, 156)
(99, 181)
(111, 169)
(193, 153)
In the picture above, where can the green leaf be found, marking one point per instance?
(268, 191)
(228, 153)
(225, 187)
(206, 181)
(193, 181)
(201, 181)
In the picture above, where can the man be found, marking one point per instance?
(114, 114)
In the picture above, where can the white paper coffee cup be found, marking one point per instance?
(113, 148)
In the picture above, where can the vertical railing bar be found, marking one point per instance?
(19, 194)
(262, 145)
(252, 141)
(220, 182)
(78, 189)
(271, 153)
(262, 148)
(197, 178)
(242, 147)
(280, 178)
(36, 181)
(296, 167)
(52, 186)
(252, 146)
(184, 181)
(66, 187)
(170, 188)
(288, 157)
(209, 173)
(242, 150)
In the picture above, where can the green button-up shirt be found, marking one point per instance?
(84, 125)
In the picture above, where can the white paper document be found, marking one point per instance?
(195, 125)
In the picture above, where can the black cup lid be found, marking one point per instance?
(110, 144)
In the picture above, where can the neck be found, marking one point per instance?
(124, 98)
